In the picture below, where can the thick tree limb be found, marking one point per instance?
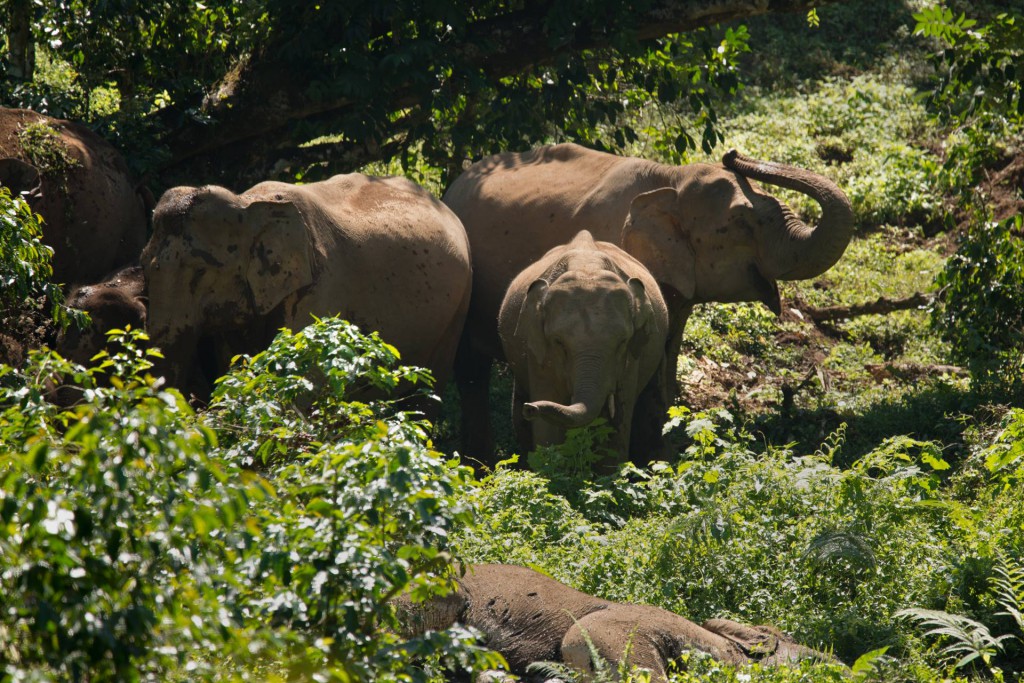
(912, 371)
(882, 306)
(255, 116)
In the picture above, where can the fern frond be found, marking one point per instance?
(971, 638)
(1008, 583)
(549, 670)
(840, 545)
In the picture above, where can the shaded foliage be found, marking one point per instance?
(133, 545)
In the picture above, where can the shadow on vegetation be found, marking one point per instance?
(845, 42)
(938, 412)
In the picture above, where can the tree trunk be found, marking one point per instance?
(21, 49)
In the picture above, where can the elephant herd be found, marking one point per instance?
(577, 267)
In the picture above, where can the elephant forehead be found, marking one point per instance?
(596, 308)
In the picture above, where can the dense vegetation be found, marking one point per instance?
(849, 472)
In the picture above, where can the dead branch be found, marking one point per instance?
(882, 306)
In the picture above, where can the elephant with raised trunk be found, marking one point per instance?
(583, 329)
(94, 217)
(227, 271)
(529, 617)
(704, 231)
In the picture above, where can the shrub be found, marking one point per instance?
(134, 547)
(25, 268)
(981, 311)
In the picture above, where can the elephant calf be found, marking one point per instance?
(529, 617)
(115, 303)
(584, 330)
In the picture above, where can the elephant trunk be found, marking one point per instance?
(588, 396)
(179, 355)
(795, 250)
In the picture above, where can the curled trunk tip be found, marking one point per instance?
(575, 415)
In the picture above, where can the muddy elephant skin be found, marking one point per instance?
(583, 329)
(529, 617)
(116, 302)
(706, 232)
(380, 252)
(94, 217)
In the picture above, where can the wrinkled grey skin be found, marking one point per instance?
(230, 270)
(584, 330)
(529, 617)
(704, 231)
(117, 302)
(94, 216)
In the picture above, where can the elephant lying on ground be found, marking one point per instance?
(94, 216)
(529, 617)
(583, 329)
(380, 252)
(705, 232)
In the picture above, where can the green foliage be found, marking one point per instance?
(25, 268)
(982, 305)
(969, 640)
(133, 546)
(980, 67)
(763, 535)
(101, 532)
(309, 388)
(45, 149)
(1004, 458)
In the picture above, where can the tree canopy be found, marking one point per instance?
(240, 91)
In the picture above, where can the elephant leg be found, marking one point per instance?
(523, 428)
(473, 377)
(646, 443)
(613, 638)
(764, 643)
(619, 443)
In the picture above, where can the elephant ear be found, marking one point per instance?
(530, 324)
(653, 235)
(19, 176)
(643, 317)
(280, 261)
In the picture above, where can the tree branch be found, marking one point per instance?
(254, 115)
(881, 306)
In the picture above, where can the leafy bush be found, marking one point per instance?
(763, 535)
(982, 304)
(25, 268)
(134, 547)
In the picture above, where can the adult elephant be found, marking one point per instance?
(232, 269)
(94, 217)
(529, 617)
(704, 231)
(584, 330)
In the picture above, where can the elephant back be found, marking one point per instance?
(93, 216)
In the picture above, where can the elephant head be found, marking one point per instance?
(219, 263)
(586, 326)
(116, 303)
(716, 237)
